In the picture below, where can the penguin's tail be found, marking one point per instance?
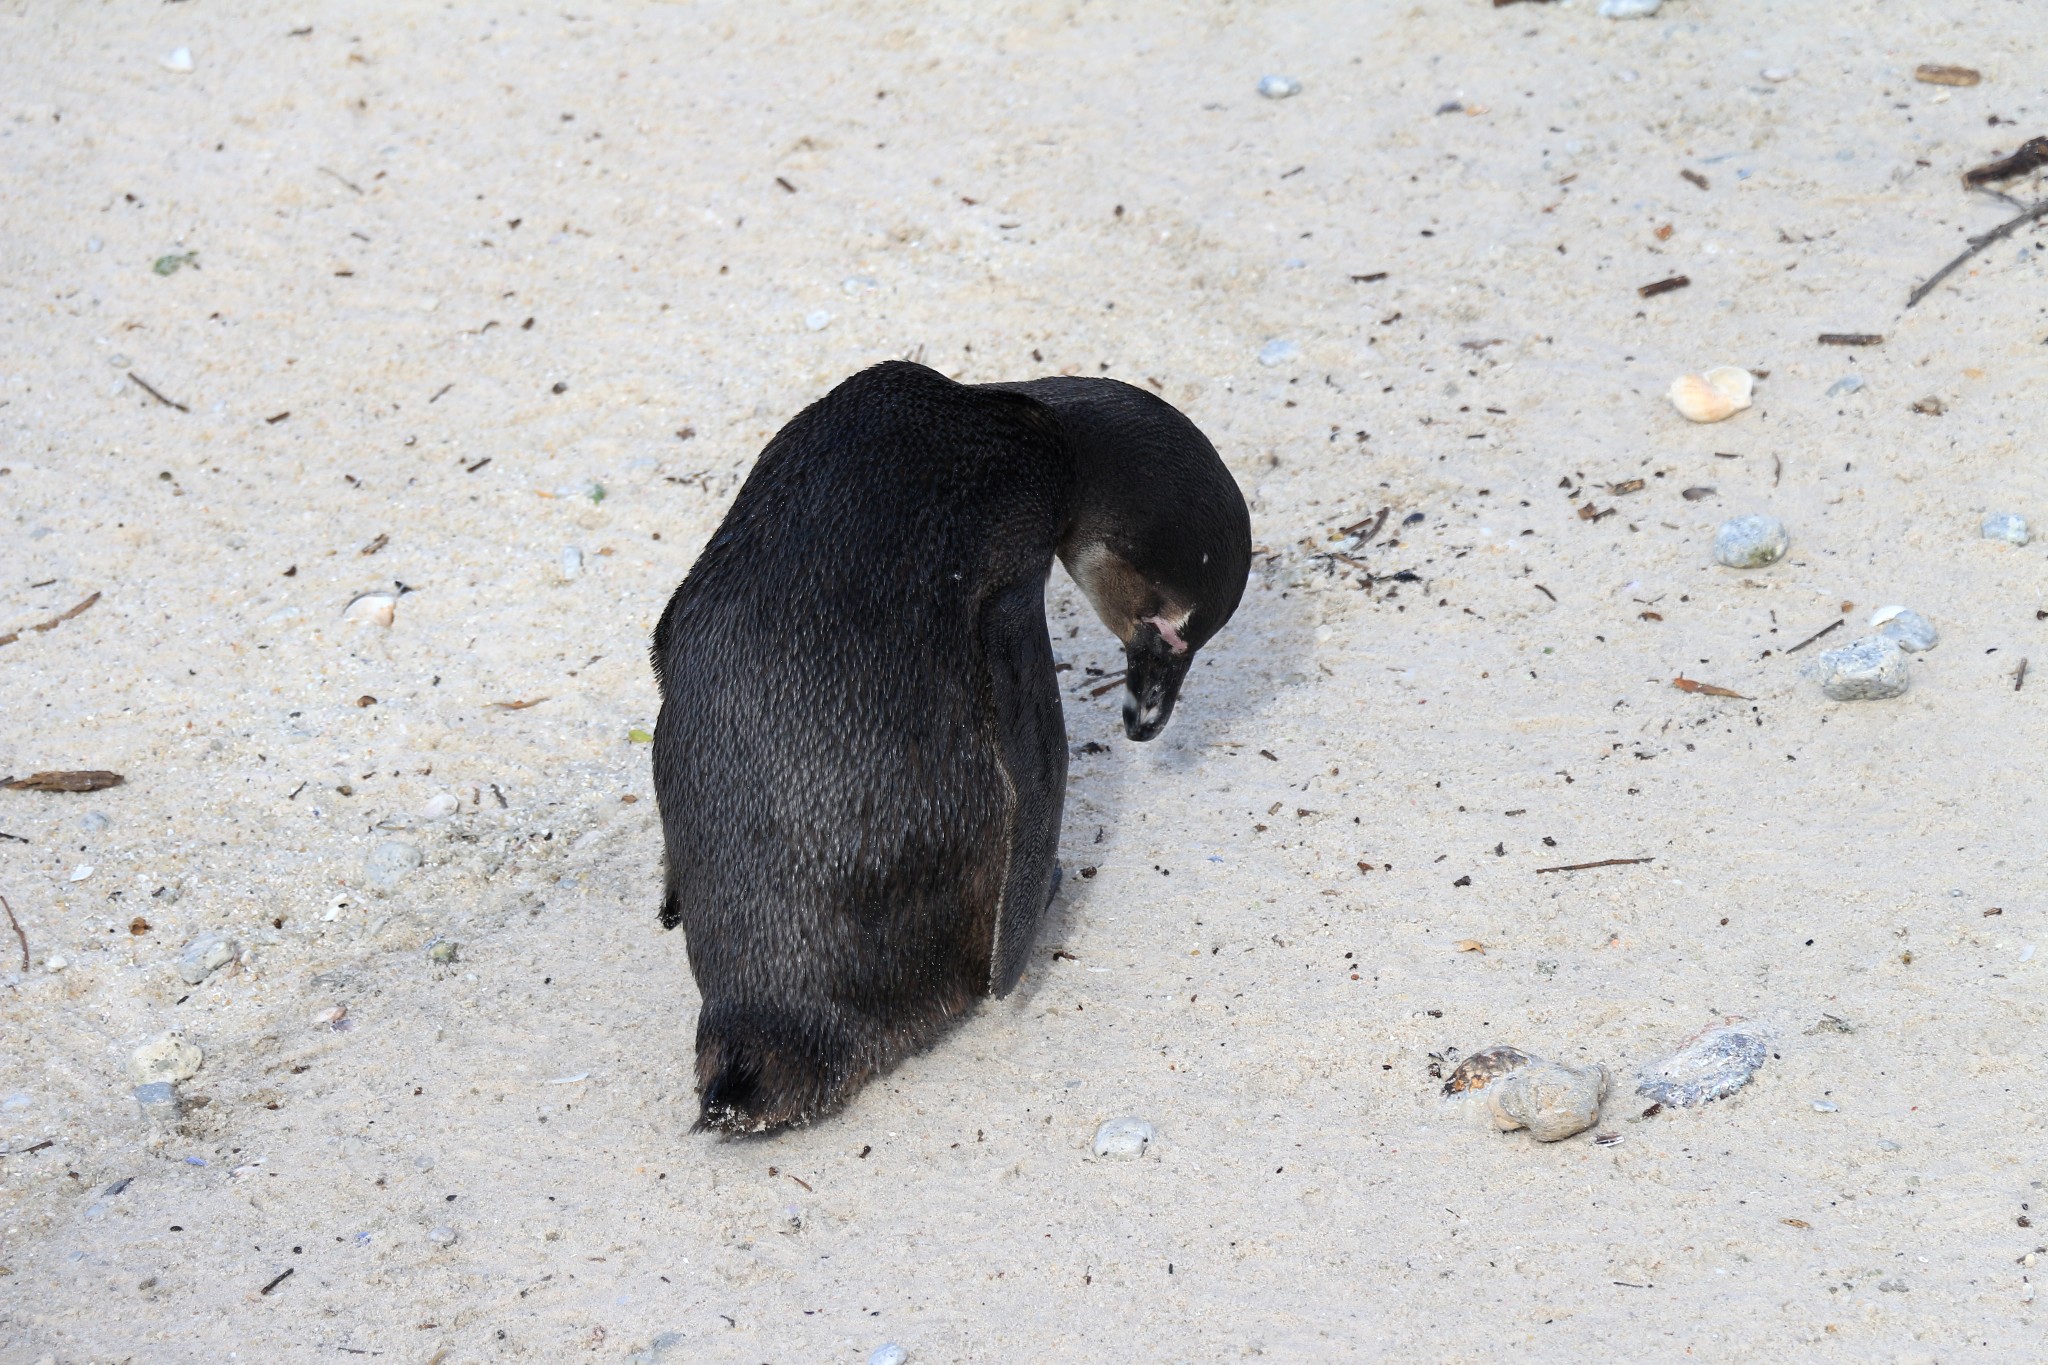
(761, 1068)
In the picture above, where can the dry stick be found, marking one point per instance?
(1604, 862)
(150, 389)
(1114, 681)
(54, 622)
(2019, 676)
(1977, 244)
(1832, 625)
(17, 933)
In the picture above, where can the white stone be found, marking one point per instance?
(1279, 352)
(205, 955)
(2006, 526)
(1628, 9)
(169, 1058)
(439, 806)
(1750, 542)
(1279, 87)
(1123, 1139)
(1912, 631)
(178, 60)
(817, 321)
(572, 561)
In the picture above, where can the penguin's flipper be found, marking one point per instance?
(1032, 737)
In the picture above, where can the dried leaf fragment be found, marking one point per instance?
(1934, 73)
(82, 780)
(1470, 945)
(1685, 684)
(1795, 1222)
(514, 705)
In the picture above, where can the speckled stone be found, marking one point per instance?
(1551, 1100)
(1750, 542)
(1910, 630)
(2009, 527)
(1870, 669)
(168, 1060)
(205, 955)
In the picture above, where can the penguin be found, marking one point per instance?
(860, 759)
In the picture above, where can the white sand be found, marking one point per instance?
(348, 194)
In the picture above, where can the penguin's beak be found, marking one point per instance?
(1153, 673)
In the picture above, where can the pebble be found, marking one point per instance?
(1628, 9)
(1714, 1064)
(1123, 1139)
(1825, 1107)
(439, 806)
(2009, 527)
(179, 60)
(390, 862)
(1850, 383)
(1778, 75)
(890, 1354)
(817, 321)
(169, 1059)
(1551, 1100)
(1870, 669)
(443, 1236)
(1279, 352)
(94, 822)
(205, 955)
(56, 962)
(443, 951)
(1912, 631)
(1750, 542)
(159, 1100)
(1279, 87)
(572, 561)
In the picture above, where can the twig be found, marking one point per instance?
(150, 389)
(1835, 624)
(342, 178)
(1108, 684)
(1604, 862)
(2019, 676)
(46, 1142)
(1365, 530)
(17, 933)
(1977, 244)
(1545, 591)
(55, 621)
(286, 1274)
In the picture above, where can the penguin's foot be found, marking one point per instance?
(760, 1069)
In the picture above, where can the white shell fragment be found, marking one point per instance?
(1718, 394)
(1628, 9)
(1870, 669)
(1484, 1067)
(2006, 526)
(169, 1059)
(1908, 628)
(439, 806)
(1750, 542)
(1278, 352)
(371, 608)
(1123, 1139)
(205, 955)
(1551, 1100)
(572, 562)
(1279, 87)
(888, 1354)
(1714, 1064)
(178, 60)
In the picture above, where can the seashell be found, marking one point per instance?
(375, 608)
(1551, 1100)
(1912, 631)
(1714, 1064)
(1484, 1067)
(1718, 394)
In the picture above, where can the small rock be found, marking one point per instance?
(1278, 352)
(817, 321)
(159, 1101)
(205, 955)
(1628, 9)
(390, 862)
(1484, 1067)
(1825, 1107)
(1870, 669)
(1893, 1287)
(371, 608)
(1848, 383)
(1832, 1023)
(443, 1236)
(2009, 527)
(443, 951)
(1551, 1100)
(439, 806)
(1908, 628)
(95, 822)
(1123, 1139)
(56, 962)
(1279, 87)
(1715, 1063)
(1778, 75)
(1887, 1145)
(169, 1059)
(890, 1354)
(572, 562)
(178, 60)
(1750, 542)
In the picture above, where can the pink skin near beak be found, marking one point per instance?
(1167, 633)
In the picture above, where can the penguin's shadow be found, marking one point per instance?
(1239, 679)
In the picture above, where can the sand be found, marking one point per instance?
(468, 287)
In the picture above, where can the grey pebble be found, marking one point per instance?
(443, 1236)
(95, 822)
(443, 951)
(1870, 669)
(1628, 9)
(1279, 352)
(423, 1163)
(1887, 1145)
(2006, 526)
(205, 955)
(1893, 1287)
(1850, 383)
(390, 862)
(889, 1354)
(159, 1101)
(1750, 542)
(1279, 87)
(1910, 630)
(1123, 1139)
(1825, 1107)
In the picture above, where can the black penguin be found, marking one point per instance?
(860, 759)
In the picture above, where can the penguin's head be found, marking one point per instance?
(1164, 597)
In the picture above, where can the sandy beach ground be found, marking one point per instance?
(435, 294)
